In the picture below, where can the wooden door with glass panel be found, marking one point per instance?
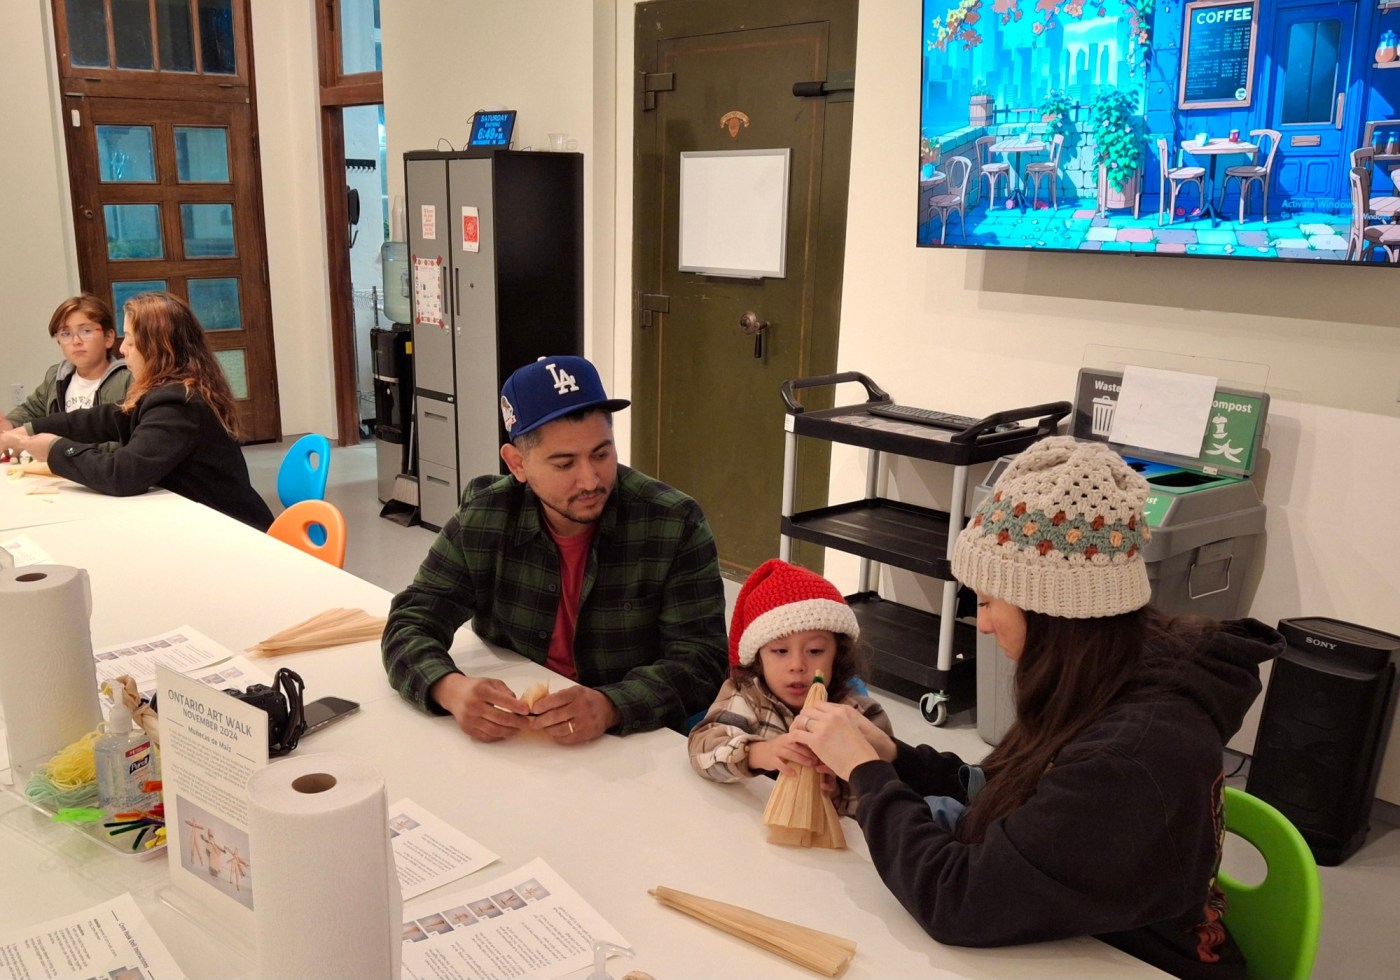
(162, 158)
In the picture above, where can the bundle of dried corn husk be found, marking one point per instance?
(331, 628)
(533, 693)
(820, 951)
(799, 812)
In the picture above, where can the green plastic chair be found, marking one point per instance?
(1276, 922)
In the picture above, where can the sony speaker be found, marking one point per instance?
(1323, 731)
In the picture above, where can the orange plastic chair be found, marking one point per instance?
(294, 526)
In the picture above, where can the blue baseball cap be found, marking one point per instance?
(550, 388)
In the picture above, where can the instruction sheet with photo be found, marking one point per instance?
(111, 940)
(211, 744)
(528, 924)
(182, 649)
(428, 851)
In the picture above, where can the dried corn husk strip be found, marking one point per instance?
(18, 471)
(799, 813)
(331, 628)
(820, 951)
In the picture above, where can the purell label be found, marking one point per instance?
(138, 758)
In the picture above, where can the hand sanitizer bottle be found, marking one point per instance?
(125, 759)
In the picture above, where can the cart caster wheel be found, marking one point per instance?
(934, 707)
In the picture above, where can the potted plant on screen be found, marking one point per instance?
(1055, 111)
(1118, 146)
(979, 105)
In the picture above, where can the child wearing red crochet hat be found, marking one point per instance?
(790, 625)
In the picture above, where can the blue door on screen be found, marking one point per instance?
(1313, 60)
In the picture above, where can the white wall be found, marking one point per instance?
(38, 260)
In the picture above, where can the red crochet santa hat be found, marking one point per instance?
(781, 599)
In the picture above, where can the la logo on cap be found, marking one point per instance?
(563, 381)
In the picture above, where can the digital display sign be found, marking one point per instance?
(492, 128)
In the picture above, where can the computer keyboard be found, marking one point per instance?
(922, 416)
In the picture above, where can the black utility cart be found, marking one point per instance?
(899, 638)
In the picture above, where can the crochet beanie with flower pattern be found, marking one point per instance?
(1061, 533)
(781, 599)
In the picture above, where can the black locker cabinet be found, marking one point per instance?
(496, 270)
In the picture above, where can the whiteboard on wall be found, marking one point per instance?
(733, 212)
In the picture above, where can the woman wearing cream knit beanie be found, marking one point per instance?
(1100, 813)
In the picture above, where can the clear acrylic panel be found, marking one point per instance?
(235, 365)
(216, 303)
(123, 291)
(201, 154)
(207, 230)
(131, 29)
(87, 34)
(360, 49)
(133, 231)
(216, 37)
(126, 154)
(175, 31)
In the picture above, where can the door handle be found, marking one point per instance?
(753, 325)
(1341, 104)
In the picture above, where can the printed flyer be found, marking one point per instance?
(112, 940)
(183, 649)
(528, 925)
(211, 743)
(428, 851)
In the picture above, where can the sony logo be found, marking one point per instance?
(1319, 643)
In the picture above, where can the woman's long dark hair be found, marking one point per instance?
(171, 341)
(1070, 671)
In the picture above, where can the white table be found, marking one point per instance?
(615, 817)
(1016, 147)
(19, 508)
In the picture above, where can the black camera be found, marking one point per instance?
(283, 703)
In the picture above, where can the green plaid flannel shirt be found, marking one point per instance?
(650, 632)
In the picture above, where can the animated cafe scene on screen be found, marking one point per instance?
(1255, 129)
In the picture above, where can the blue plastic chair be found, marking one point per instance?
(302, 475)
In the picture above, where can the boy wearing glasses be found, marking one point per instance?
(91, 372)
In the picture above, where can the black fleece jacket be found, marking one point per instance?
(1120, 839)
(171, 439)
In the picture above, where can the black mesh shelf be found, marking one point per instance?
(887, 531)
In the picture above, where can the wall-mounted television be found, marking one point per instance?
(1230, 129)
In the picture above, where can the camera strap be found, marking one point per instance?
(289, 684)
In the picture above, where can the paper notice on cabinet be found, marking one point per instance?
(211, 743)
(471, 229)
(108, 940)
(428, 851)
(427, 292)
(427, 215)
(529, 924)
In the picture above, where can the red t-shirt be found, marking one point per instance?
(573, 561)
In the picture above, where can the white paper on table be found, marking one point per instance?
(1163, 410)
(211, 743)
(183, 649)
(108, 940)
(25, 551)
(428, 851)
(529, 924)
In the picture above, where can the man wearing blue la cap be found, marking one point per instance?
(596, 571)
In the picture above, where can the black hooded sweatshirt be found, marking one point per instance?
(1121, 838)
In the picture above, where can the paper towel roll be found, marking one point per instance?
(48, 684)
(326, 899)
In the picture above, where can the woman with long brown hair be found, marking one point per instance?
(176, 429)
(1100, 812)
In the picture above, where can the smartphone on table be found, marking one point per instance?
(323, 711)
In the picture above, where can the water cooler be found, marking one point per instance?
(392, 351)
